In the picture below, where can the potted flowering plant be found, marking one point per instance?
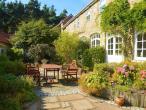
(124, 76)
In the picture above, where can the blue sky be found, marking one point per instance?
(73, 6)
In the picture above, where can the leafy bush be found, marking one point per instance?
(83, 45)
(94, 56)
(12, 67)
(103, 67)
(87, 59)
(94, 83)
(66, 46)
(15, 91)
(15, 54)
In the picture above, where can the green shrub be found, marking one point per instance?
(104, 67)
(94, 83)
(94, 56)
(15, 91)
(87, 59)
(98, 54)
(66, 46)
(12, 67)
(83, 45)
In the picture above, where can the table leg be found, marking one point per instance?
(58, 74)
(54, 74)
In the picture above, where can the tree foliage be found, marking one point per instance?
(66, 46)
(13, 13)
(32, 33)
(119, 17)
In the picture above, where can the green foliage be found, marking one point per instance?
(93, 56)
(32, 36)
(11, 67)
(15, 54)
(122, 19)
(94, 83)
(83, 45)
(13, 13)
(32, 33)
(15, 91)
(38, 52)
(105, 68)
(98, 54)
(66, 46)
(87, 59)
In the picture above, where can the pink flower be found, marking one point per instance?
(119, 70)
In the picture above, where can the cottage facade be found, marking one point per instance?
(87, 24)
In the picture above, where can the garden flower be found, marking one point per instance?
(120, 70)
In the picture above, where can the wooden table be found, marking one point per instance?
(53, 68)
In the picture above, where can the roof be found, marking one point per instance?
(81, 12)
(4, 38)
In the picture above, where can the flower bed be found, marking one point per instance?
(118, 80)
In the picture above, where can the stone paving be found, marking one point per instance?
(66, 97)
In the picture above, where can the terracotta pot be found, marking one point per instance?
(119, 101)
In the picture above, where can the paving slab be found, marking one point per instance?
(50, 106)
(81, 105)
(70, 97)
(49, 99)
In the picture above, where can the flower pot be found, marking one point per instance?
(119, 101)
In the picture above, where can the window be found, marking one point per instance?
(88, 17)
(114, 46)
(78, 23)
(95, 40)
(141, 45)
(110, 46)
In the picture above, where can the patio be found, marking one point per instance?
(69, 97)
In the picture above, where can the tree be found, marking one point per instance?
(13, 13)
(66, 46)
(121, 18)
(33, 33)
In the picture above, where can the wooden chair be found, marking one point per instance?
(34, 72)
(69, 72)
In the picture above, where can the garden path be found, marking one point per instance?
(69, 97)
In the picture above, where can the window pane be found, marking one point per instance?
(139, 45)
(111, 46)
(139, 53)
(108, 52)
(144, 53)
(117, 52)
(117, 46)
(139, 38)
(111, 40)
(97, 42)
(144, 36)
(144, 44)
(117, 39)
(111, 52)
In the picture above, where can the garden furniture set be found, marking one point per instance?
(48, 70)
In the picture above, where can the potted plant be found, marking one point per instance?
(119, 100)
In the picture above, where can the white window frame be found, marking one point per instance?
(95, 40)
(136, 47)
(111, 46)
